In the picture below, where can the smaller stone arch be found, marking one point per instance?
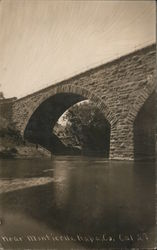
(142, 95)
(144, 127)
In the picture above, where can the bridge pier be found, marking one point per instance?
(122, 141)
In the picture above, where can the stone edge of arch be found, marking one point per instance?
(140, 100)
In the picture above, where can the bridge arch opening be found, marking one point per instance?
(41, 123)
(85, 128)
(145, 130)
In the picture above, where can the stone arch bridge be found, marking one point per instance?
(123, 89)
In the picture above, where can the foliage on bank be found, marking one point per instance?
(85, 128)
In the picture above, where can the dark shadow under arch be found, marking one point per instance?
(40, 125)
(144, 130)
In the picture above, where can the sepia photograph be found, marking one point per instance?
(78, 125)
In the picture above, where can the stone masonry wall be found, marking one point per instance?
(119, 88)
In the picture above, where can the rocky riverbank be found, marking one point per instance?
(13, 146)
(22, 151)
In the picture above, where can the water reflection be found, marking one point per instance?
(84, 196)
(62, 183)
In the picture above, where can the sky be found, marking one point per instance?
(43, 41)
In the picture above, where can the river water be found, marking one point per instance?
(76, 203)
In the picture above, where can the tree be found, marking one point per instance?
(89, 127)
(1, 95)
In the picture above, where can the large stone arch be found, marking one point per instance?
(41, 112)
(28, 106)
